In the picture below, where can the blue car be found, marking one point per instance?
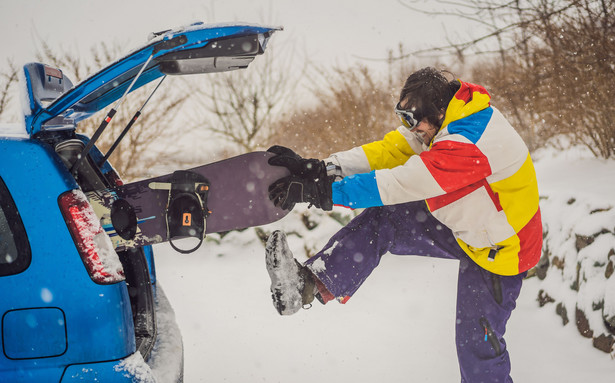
(73, 309)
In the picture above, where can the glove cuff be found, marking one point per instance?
(325, 189)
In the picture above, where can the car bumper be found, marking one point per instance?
(131, 369)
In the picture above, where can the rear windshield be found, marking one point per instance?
(14, 247)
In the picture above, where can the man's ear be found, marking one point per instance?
(441, 117)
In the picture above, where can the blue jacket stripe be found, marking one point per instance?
(357, 191)
(473, 126)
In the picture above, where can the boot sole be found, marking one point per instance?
(286, 283)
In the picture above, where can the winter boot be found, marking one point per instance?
(292, 284)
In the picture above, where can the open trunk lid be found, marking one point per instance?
(54, 103)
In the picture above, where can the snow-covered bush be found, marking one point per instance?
(308, 230)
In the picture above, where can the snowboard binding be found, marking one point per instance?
(187, 212)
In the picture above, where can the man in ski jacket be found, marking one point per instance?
(454, 181)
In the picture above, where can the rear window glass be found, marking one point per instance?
(14, 247)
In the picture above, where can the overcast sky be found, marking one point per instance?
(334, 32)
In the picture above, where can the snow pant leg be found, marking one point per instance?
(355, 251)
(484, 304)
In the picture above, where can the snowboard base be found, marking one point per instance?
(147, 211)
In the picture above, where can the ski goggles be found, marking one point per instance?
(410, 119)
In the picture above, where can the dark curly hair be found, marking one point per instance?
(428, 92)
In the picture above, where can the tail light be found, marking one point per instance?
(95, 247)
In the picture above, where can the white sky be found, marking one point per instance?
(330, 31)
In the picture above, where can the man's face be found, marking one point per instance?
(425, 130)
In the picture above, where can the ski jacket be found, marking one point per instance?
(476, 177)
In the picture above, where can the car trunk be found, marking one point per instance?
(136, 270)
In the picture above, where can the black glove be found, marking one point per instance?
(308, 181)
(308, 168)
(289, 190)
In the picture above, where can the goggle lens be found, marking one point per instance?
(410, 119)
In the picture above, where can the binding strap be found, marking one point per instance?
(186, 212)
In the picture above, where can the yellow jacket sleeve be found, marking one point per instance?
(393, 150)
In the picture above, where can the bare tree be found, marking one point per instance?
(553, 71)
(497, 22)
(240, 106)
(7, 81)
(353, 108)
(557, 79)
(577, 49)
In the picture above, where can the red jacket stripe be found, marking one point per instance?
(455, 165)
(436, 203)
(530, 240)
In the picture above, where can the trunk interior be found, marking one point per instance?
(140, 287)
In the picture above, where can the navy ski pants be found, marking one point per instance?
(484, 300)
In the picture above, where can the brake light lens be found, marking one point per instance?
(95, 247)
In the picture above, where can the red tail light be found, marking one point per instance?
(95, 247)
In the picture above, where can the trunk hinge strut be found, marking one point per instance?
(106, 121)
(129, 125)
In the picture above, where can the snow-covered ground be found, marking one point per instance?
(399, 327)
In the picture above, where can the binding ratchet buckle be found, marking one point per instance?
(186, 212)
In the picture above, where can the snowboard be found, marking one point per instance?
(231, 194)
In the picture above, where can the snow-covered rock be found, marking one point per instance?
(576, 268)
